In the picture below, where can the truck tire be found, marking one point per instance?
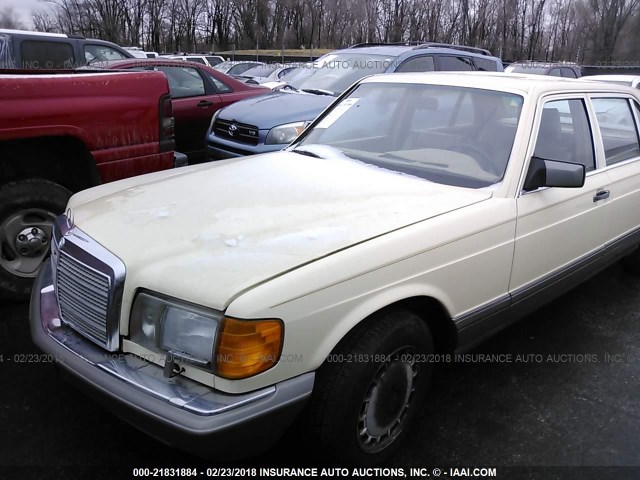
(370, 389)
(28, 209)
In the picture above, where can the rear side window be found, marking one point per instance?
(196, 59)
(38, 54)
(417, 64)
(555, 72)
(617, 128)
(569, 73)
(564, 134)
(485, 65)
(454, 64)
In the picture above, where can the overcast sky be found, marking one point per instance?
(23, 8)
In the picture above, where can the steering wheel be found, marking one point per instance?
(480, 156)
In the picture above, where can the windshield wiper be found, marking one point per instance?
(318, 91)
(307, 153)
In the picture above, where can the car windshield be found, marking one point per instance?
(261, 71)
(451, 135)
(224, 66)
(337, 72)
(240, 68)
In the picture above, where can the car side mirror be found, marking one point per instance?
(552, 173)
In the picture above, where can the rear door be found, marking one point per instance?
(617, 120)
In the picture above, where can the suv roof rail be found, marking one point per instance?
(465, 48)
(388, 44)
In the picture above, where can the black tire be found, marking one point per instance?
(345, 409)
(26, 205)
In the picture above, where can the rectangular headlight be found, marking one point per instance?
(230, 347)
(165, 325)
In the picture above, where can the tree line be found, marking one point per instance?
(586, 31)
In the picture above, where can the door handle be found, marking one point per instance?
(601, 195)
(204, 103)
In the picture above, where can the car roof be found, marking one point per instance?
(499, 81)
(534, 63)
(397, 50)
(630, 79)
(10, 31)
(155, 61)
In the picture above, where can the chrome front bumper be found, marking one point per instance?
(178, 411)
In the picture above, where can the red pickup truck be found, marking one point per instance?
(62, 132)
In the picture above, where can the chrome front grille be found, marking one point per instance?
(83, 296)
(88, 282)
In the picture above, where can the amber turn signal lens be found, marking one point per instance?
(248, 347)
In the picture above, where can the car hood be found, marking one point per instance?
(276, 108)
(210, 233)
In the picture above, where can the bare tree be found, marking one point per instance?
(10, 19)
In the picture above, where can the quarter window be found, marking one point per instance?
(564, 134)
(617, 128)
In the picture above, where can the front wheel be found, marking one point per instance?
(371, 387)
(28, 209)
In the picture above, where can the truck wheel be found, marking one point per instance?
(28, 209)
(371, 387)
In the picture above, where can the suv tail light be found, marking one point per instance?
(167, 125)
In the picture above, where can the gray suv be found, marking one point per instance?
(37, 50)
(269, 122)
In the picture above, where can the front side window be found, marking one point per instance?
(183, 81)
(38, 54)
(101, 53)
(617, 128)
(564, 134)
(451, 135)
